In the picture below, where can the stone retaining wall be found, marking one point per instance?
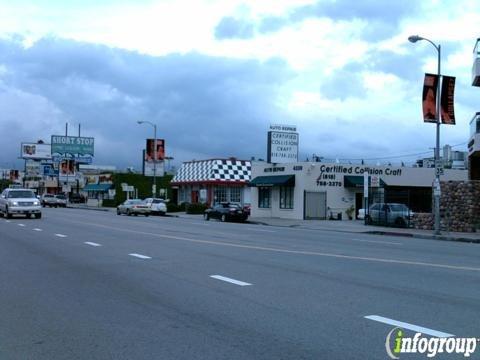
(459, 208)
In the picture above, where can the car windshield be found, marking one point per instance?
(157, 201)
(61, 197)
(48, 196)
(135, 202)
(21, 194)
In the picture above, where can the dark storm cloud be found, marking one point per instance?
(231, 28)
(203, 106)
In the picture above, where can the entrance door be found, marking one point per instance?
(358, 203)
(315, 207)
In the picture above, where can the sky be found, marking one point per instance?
(214, 74)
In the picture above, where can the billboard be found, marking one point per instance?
(429, 98)
(282, 144)
(32, 168)
(148, 168)
(36, 151)
(67, 168)
(149, 152)
(446, 100)
(73, 146)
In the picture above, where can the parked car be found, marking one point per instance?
(133, 207)
(389, 214)
(75, 198)
(157, 206)
(61, 200)
(226, 212)
(49, 200)
(20, 201)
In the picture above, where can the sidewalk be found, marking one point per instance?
(358, 226)
(347, 226)
(355, 227)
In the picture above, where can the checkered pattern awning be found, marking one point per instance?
(214, 170)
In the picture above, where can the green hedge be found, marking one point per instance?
(142, 183)
(171, 207)
(195, 208)
(109, 203)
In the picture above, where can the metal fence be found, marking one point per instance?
(395, 207)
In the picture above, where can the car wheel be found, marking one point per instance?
(223, 218)
(38, 216)
(162, 213)
(206, 217)
(147, 215)
(400, 222)
(118, 212)
(135, 214)
(7, 214)
(368, 220)
(128, 212)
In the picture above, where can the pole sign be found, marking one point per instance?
(282, 144)
(74, 146)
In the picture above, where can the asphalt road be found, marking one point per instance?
(81, 284)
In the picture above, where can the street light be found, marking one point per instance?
(154, 189)
(436, 192)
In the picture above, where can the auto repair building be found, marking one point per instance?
(306, 190)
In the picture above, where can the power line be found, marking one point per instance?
(402, 156)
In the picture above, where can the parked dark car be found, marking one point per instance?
(77, 198)
(226, 212)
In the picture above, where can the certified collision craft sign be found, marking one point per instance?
(282, 144)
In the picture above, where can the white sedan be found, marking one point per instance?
(157, 206)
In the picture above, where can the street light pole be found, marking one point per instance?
(154, 188)
(436, 191)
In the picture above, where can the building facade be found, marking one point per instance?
(319, 190)
(213, 181)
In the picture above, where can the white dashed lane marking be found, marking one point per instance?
(92, 243)
(22, 225)
(37, 229)
(408, 326)
(61, 235)
(232, 281)
(140, 256)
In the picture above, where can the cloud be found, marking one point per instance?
(209, 106)
(232, 28)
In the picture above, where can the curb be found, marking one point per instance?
(87, 208)
(384, 233)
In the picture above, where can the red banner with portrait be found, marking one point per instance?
(446, 100)
(429, 98)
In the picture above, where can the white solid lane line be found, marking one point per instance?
(22, 225)
(377, 241)
(61, 235)
(37, 229)
(140, 256)
(408, 326)
(92, 243)
(232, 281)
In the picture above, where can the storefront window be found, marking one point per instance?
(286, 197)
(220, 195)
(264, 197)
(235, 195)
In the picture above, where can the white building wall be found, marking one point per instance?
(329, 178)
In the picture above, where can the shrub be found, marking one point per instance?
(109, 203)
(195, 208)
(171, 207)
